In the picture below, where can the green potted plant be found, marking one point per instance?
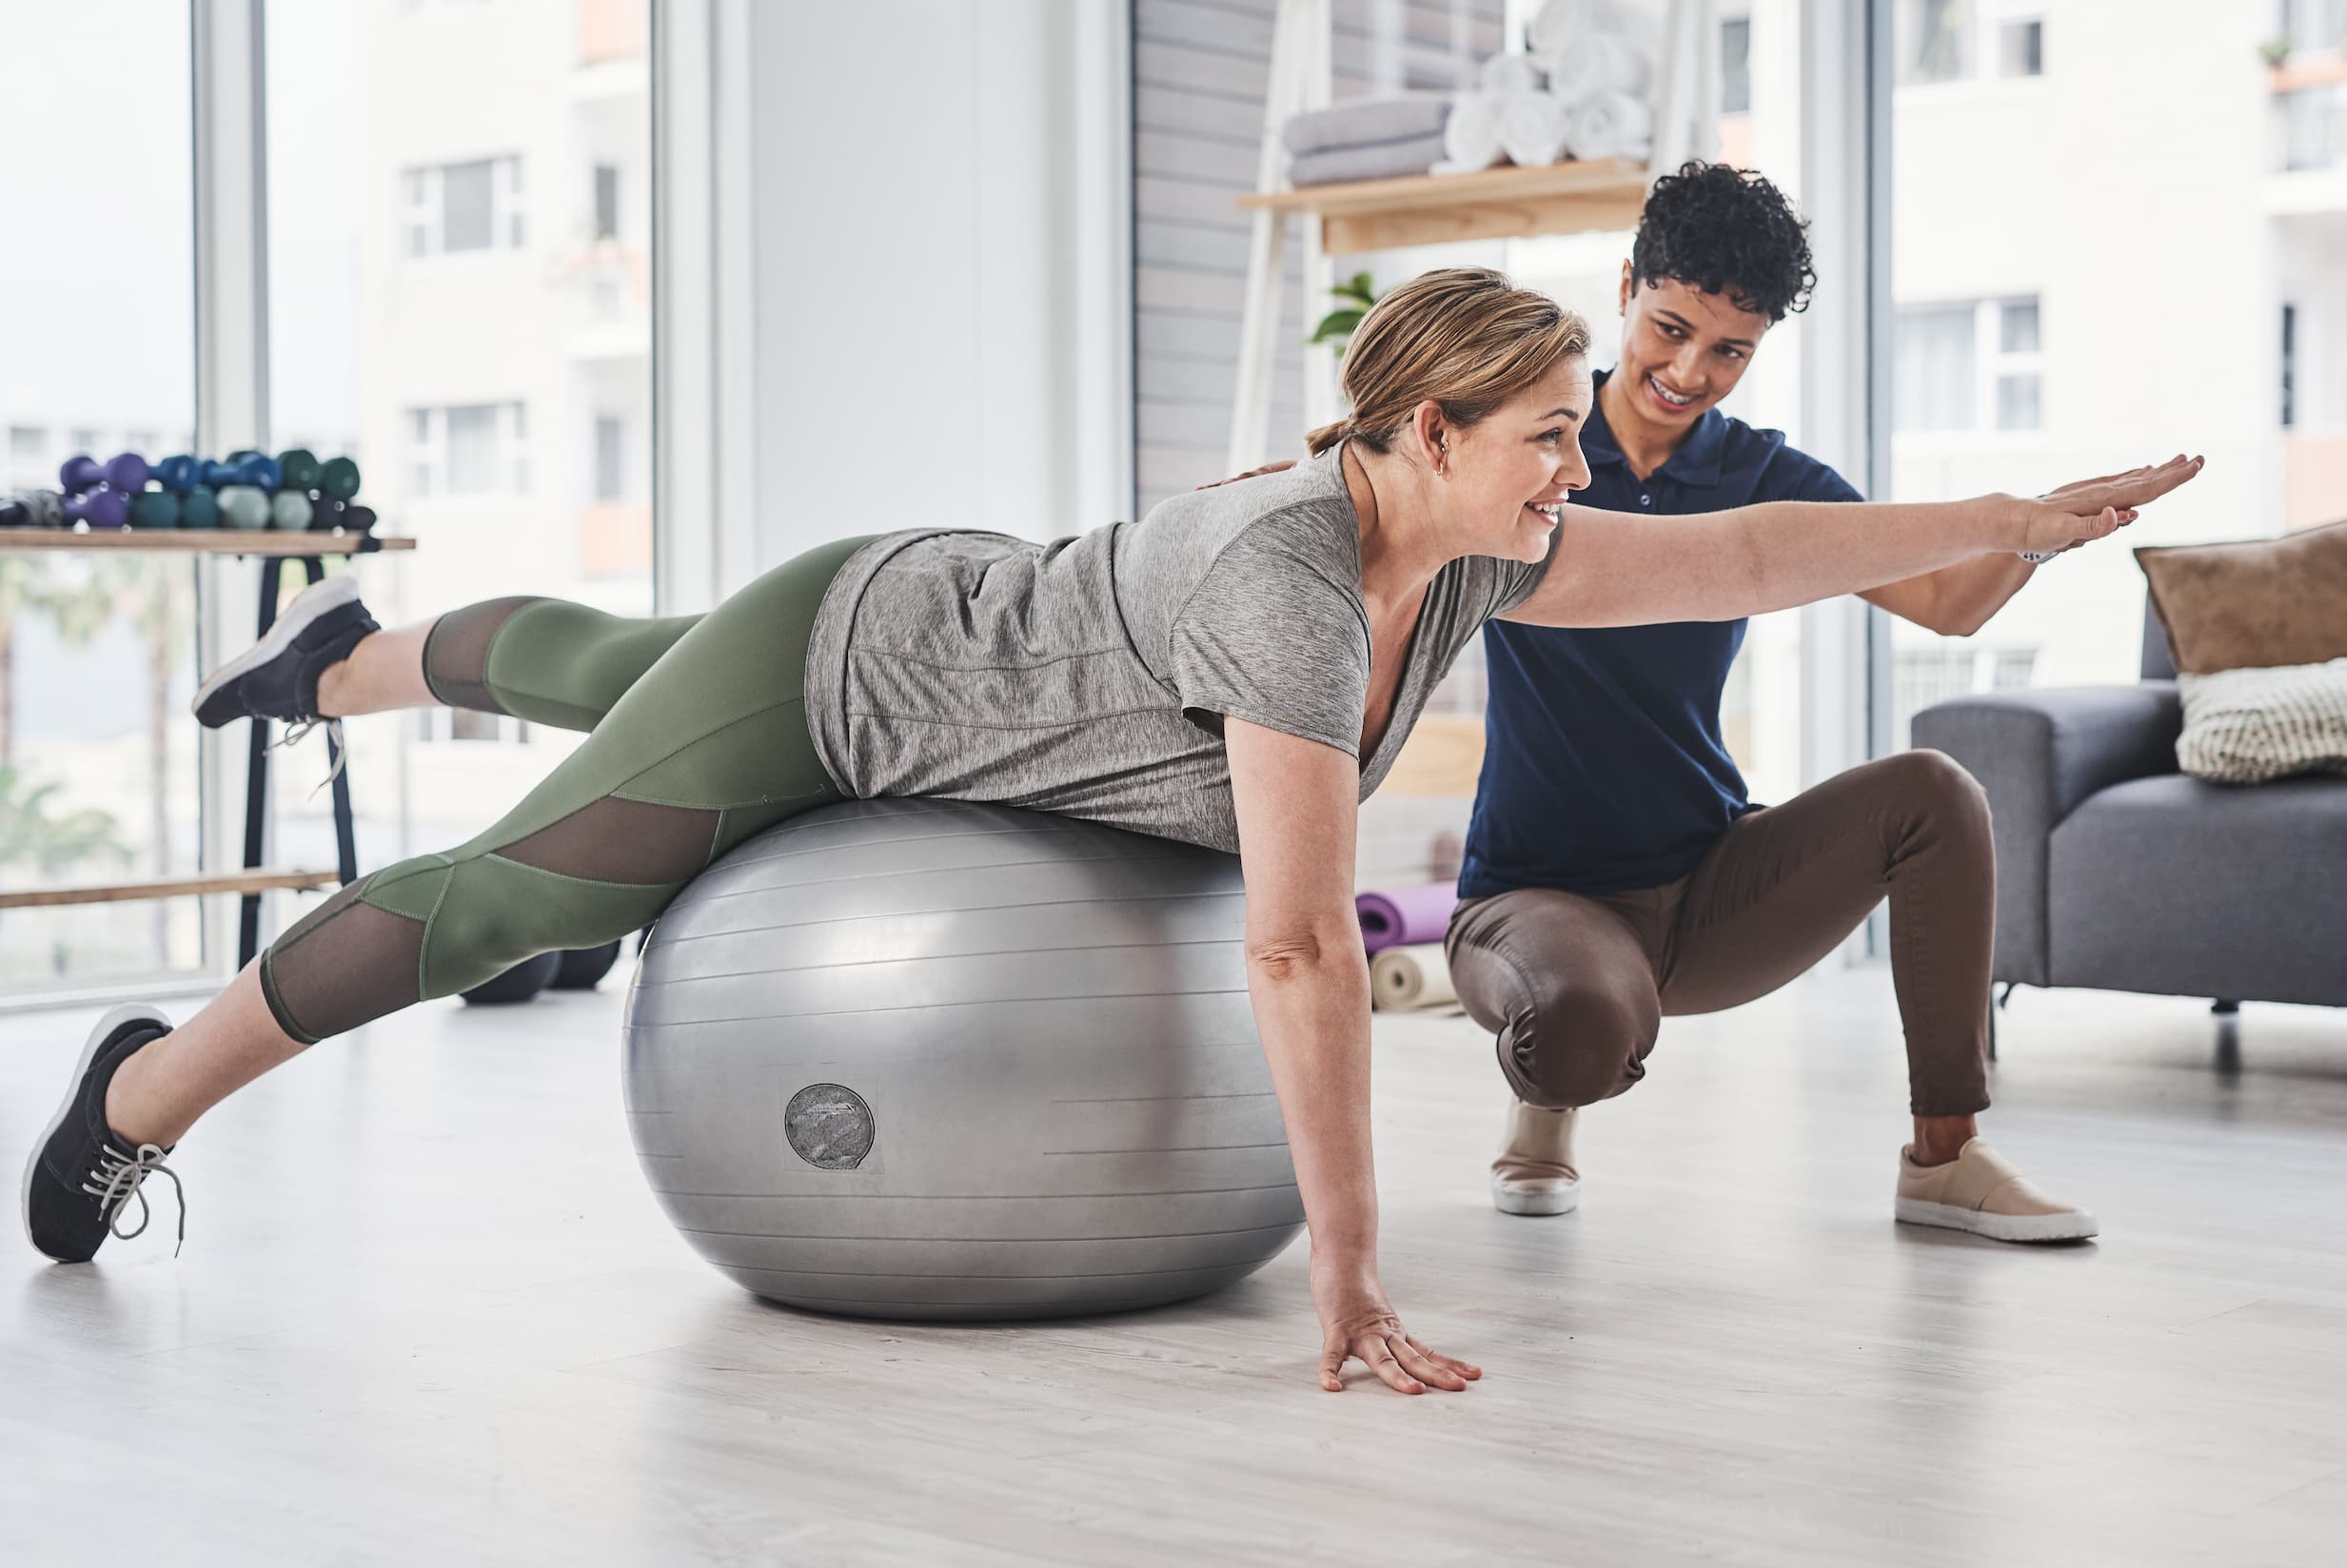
(1356, 294)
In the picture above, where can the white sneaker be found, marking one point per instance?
(1534, 1173)
(1980, 1192)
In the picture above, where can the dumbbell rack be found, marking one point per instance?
(273, 550)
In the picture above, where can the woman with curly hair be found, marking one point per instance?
(1617, 869)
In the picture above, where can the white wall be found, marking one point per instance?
(937, 239)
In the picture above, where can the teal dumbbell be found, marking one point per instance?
(339, 478)
(289, 509)
(243, 506)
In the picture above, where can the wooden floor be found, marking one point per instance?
(427, 1314)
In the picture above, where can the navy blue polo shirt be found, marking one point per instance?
(1603, 765)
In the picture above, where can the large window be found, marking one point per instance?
(458, 297)
(461, 299)
(2031, 347)
(98, 781)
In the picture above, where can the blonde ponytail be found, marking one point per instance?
(1463, 337)
(1327, 435)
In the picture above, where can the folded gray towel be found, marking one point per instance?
(1376, 161)
(1357, 120)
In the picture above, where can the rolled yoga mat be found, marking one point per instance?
(1393, 917)
(1412, 979)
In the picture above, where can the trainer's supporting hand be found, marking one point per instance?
(2086, 510)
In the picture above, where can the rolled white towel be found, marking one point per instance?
(1471, 135)
(1505, 75)
(1561, 22)
(1599, 62)
(1609, 124)
(1532, 129)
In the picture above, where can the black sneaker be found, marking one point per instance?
(83, 1172)
(278, 676)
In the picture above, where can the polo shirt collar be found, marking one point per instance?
(1696, 461)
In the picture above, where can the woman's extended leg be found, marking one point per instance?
(542, 659)
(704, 750)
(545, 661)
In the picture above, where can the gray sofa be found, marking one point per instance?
(2116, 873)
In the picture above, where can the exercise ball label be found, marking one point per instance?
(830, 1127)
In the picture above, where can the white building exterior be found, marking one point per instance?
(503, 289)
(2105, 221)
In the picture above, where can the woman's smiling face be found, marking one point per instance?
(1683, 350)
(1506, 477)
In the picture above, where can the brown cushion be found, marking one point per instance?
(2253, 603)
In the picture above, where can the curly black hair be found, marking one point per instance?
(1724, 230)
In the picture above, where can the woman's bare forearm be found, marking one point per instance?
(1615, 569)
(1312, 1008)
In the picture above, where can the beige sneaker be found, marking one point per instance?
(1981, 1192)
(1534, 1173)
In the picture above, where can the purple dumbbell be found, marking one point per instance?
(103, 507)
(128, 472)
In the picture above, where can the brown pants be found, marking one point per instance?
(1577, 986)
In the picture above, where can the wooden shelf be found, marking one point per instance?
(1505, 203)
(203, 541)
(175, 887)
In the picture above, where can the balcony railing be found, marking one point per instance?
(2312, 128)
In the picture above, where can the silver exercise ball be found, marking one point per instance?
(933, 1060)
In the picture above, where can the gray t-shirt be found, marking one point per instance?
(1090, 676)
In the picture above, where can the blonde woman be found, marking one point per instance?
(1236, 670)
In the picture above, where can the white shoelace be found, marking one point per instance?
(336, 745)
(117, 1181)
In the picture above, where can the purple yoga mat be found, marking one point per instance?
(1394, 917)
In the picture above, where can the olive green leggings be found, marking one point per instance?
(697, 739)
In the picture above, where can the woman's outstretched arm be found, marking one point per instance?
(1308, 979)
(1618, 569)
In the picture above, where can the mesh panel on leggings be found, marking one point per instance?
(617, 840)
(456, 654)
(344, 964)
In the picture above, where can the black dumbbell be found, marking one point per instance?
(34, 509)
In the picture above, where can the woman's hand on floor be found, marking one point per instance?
(1357, 1323)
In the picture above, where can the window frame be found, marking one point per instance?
(427, 450)
(1992, 363)
(1980, 44)
(424, 203)
(1741, 26)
